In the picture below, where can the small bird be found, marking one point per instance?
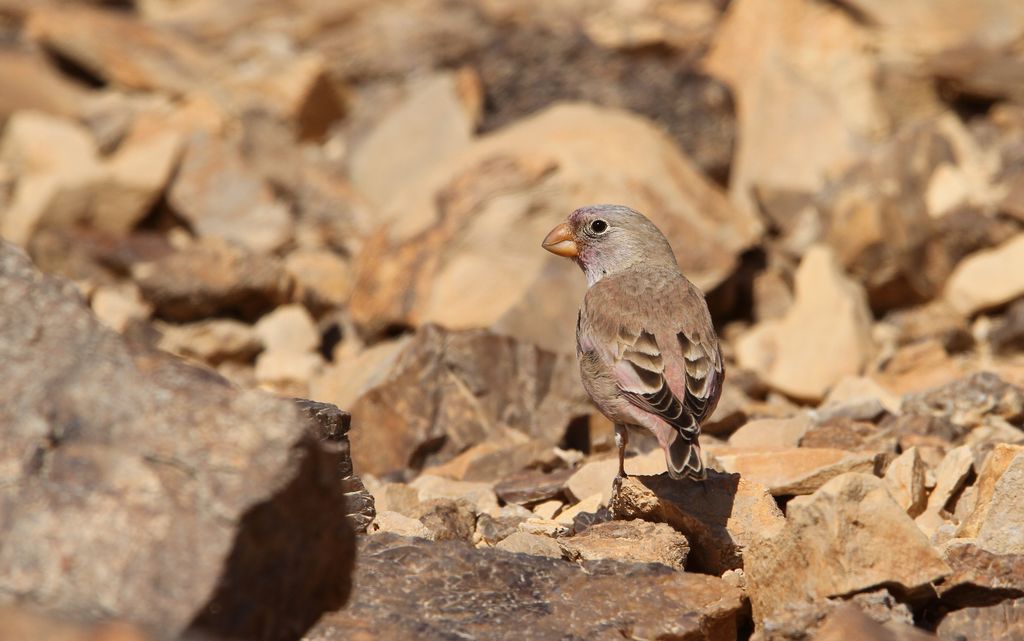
(648, 352)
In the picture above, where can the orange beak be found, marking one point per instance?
(560, 241)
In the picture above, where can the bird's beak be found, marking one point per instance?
(560, 241)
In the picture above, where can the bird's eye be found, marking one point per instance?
(599, 226)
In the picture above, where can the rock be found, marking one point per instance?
(396, 497)
(35, 85)
(950, 477)
(247, 214)
(441, 392)
(26, 623)
(288, 328)
(135, 178)
(148, 456)
(980, 577)
(1001, 523)
(119, 306)
(480, 495)
(848, 623)
(535, 544)
(491, 530)
(121, 50)
(596, 477)
(858, 398)
(795, 471)
(548, 509)
(824, 336)
(722, 518)
(322, 278)
(395, 523)
(211, 341)
(285, 371)
(59, 172)
(1000, 622)
(771, 433)
(803, 620)
(853, 436)
(799, 121)
(1007, 337)
(333, 426)
(905, 480)
(547, 527)
(532, 486)
(995, 465)
(396, 151)
(494, 459)
(451, 224)
(588, 505)
(934, 321)
(411, 588)
(632, 541)
(211, 277)
(838, 541)
(968, 400)
(988, 278)
(448, 519)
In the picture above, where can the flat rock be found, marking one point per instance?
(387, 521)
(192, 500)
(496, 459)
(848, 623)
(837, 541)
(905, 478)
(968, 400)
(212, 341)
(322, 278)
(596, 477)
(442, 392)
(980, 577)
(632, 541)
(824, 337)
(797, 470)
(723, 518)
(771, 433)
(211, 277)
(534, 544)
(288, 328)
(453, 223)
(842, 433)
(1001, 622)
(410, 588)
(532, 486)
(479, 495)
(988, 278)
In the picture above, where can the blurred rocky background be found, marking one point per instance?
(211, 209)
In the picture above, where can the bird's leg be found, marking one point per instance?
(621, 440)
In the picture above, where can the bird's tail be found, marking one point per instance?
(684, 460)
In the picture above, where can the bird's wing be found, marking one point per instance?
(657, 341)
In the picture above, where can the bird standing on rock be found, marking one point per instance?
(648, 352)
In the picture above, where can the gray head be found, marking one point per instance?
(606, 239)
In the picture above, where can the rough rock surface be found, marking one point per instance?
(187, 494)
(1000, 622)
(493, 594)
(796, 470)
(633, 541)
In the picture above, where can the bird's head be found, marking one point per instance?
(606, 239)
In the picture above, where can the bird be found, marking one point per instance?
(648, 353)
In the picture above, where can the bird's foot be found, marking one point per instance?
(617, 484)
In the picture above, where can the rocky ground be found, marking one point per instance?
(211, 210)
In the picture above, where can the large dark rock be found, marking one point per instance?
(137, 487)
(427, 590)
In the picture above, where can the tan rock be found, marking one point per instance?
(480, 495)
(550, 162)
(387, 521)
(59, 172)
(34, 84)
(590, 504)
(322, 278)
(918, 367)
(545, 527)
(849, 623)
(996, 463)
(495, 459)
(723, 518)
(988, 278)
(837, 541)
(135, 178)
(824, 337)
(247, 213)
(212, 341)
(281, 367)
(547, 509)
(1000, 525)
(395, 497)
(535, 544)
(798, 470)
(120, 305)
(844, 433)
(771, 433)
(289, 328)
(949, 479)
(805, 88)
(1000, 622)
(431, 124)
(632, 541)
(905, 479)
(855, 390)
(596, 477)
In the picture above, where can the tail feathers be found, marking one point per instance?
(684, 460)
